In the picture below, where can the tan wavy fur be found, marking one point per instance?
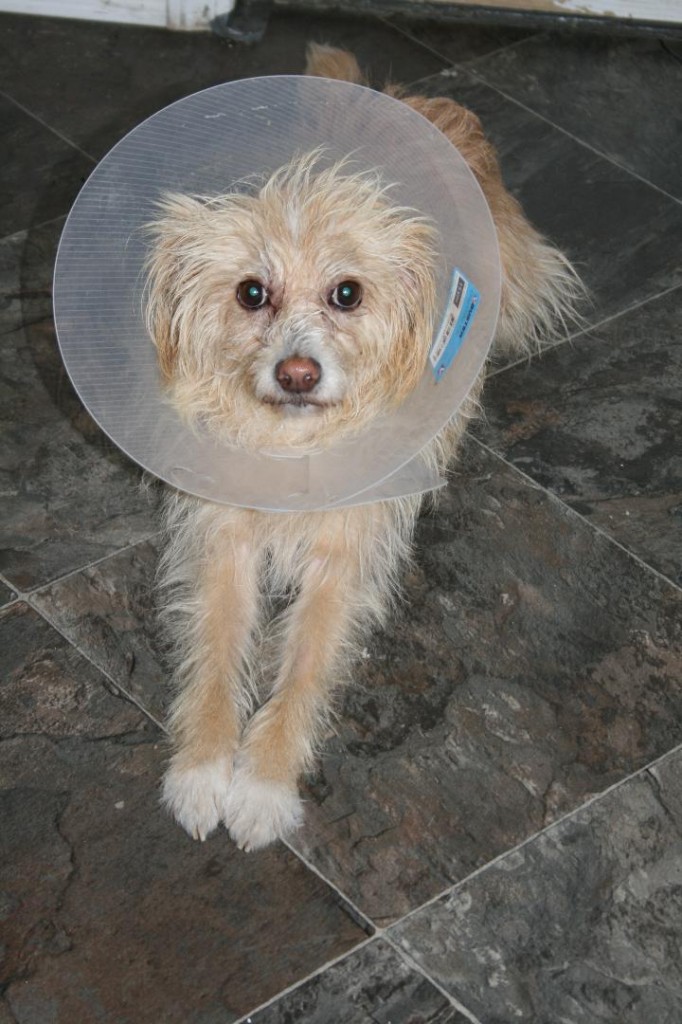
(253, 692)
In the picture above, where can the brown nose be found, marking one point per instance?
(298, 374)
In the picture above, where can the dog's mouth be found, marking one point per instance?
(298, 401)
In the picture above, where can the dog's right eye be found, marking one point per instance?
(251, 294)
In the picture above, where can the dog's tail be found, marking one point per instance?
(329, 62)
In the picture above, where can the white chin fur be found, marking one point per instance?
(196, 796)
(257, 811)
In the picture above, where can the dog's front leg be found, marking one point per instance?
(279, 742)
(218, 617)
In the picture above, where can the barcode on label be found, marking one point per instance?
(463, 300)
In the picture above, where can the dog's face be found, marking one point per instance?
(292, 315)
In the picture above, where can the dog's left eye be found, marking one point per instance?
(347, 295)
(251, 294)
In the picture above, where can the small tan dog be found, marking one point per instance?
(292, 316)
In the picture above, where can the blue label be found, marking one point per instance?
(461, 309)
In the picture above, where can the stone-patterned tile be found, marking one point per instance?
(109, 911)
(533, 665)
(43, 175)
(624, 236)
(582, 924)
(598, 421)
(26, 268)
(69, 496)
(108, 611)
(6, 594)
(115, 913)
(94, 82)
(48, 689)
(373, 985)
(616, 94)
(458, 42)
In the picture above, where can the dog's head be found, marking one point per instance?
(292, 314)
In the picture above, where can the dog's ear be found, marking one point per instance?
(172, 236)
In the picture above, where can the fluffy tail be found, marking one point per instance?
(328, 62)
(541, 292)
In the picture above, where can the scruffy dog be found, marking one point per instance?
(291, 316)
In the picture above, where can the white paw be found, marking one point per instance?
(195, 796)
(257, 811)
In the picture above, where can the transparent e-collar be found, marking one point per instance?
(205, 145)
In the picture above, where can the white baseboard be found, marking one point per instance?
(669, 11)
(177, 14)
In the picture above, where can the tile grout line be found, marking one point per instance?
(246, 1018)
(411, 962)
(3, 579)
(573, 512)
(27, 597)
(49, 127)
(386, 19)
(31, 227)
(564, 819)
(26, 594)
(107, 675)
(478, 77)
(539, 34)
(583, 332)
(367, 921)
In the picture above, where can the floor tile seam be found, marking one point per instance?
(26, 594)
(416, 966)
(584, 332)
(31, 227)
(10, 586)
(564, 819)
(573, 512)
(361, 915)
(54, 131)
(117, 687)
(534, 36)
(386, 19)
(478, 77)
(246, 1018)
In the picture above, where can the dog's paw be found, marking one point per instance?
(195, 796)
(257, 811)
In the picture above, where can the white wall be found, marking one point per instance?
(181, 14)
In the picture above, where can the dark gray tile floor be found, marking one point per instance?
(599, 421)
(624, 236)
(609, 93)
(373, 984)
(490, 834)
(582, 924)
(109, 911)
(461, 44)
